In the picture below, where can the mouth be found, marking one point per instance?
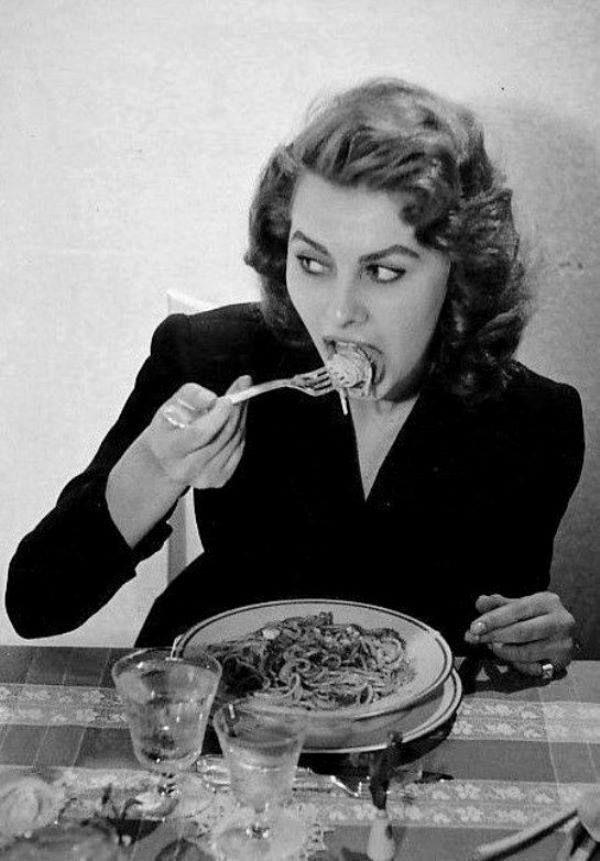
(353, 368)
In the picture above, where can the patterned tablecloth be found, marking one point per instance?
(517, 751)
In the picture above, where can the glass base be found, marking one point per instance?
(184, 797)
(285, 837)
(155, 803)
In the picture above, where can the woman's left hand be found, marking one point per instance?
(526, 632)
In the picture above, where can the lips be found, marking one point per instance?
(351, 367)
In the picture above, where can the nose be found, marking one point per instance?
(346, 307)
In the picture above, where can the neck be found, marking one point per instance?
(376, 425)
(381, 410)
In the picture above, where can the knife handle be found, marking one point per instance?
(381, 845)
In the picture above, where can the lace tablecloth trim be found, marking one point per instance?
(457, 803)
(56, 705)
(477, 718)
(462, 804)
(525, 721)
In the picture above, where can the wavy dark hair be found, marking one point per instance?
(389, 135)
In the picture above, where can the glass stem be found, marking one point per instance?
(258, 831)
(260, 828)
(167, 786)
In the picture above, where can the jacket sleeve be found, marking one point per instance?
(556, 451)
(570, 450)
(75, 559)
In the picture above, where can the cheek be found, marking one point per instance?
(432, 312)
(428, 306)
(439, 289)
(409, 328)
(293, 290)
(414, 317)
(305, 301)
(309, 315)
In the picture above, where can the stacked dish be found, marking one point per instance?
(426, 698)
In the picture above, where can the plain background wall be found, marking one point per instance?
(131, 134)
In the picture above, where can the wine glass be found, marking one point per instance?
(167, 702)
(261, 748)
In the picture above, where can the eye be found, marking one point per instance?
(384, 274)
(311, 265)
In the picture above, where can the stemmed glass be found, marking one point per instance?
(167, 702)
(261, 748)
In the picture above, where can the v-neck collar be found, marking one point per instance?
(325, 441)
(329, 467)
(378, 447)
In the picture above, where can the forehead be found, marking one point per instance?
(354, 214)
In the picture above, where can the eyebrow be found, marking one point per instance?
(366, 258)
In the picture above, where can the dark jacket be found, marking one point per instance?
(467, 502)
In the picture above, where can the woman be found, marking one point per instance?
(381, 226)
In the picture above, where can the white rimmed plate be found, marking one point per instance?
(427, 650)
(373, 733)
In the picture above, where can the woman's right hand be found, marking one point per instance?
(196, 438)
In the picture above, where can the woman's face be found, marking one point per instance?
(356, 274)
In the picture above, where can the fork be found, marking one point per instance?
(313, 383)
(215, 775)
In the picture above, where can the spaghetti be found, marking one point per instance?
(314, 663)
(350, 370)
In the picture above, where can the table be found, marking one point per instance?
(517, 750)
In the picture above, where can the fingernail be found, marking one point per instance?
(477, 629)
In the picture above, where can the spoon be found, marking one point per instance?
(588, 809)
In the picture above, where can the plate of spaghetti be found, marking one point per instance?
(335, 659)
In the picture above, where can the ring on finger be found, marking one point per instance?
(547, 670)
(169, 415)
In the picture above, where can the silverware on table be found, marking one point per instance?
(382, 770)
(579, 845)
(214, 773)
(583, 837)
(381, 845)
(498, 848)
(313, 383)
